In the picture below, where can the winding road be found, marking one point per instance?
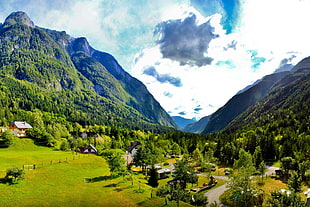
(214, 194)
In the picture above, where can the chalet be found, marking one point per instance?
(130, 152)
(90, 149)
(19, 128)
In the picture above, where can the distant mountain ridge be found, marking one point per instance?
(197, 127)
(240, 102)
(182, 122)
(286, 105)
(55, 62)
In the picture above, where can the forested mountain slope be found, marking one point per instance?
(240, 102)
(287, 105)
(50, 71)
(278, 123)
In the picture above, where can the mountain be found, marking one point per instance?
(285, 106)
(241, 102)
(50, 71)
(182, 122)
(197, 126)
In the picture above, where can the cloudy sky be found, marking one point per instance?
(193, 55)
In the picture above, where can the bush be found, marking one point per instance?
(7, 138)
(14, 174)
(199, 199)
(64, 146)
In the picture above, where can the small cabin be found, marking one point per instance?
(19, 128)
(90, 149)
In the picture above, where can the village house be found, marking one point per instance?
(130, 152)
(18, 128)
(90, 149)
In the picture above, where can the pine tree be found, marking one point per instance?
(294, 183)
(153, 180)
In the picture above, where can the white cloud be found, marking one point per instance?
(279, 26)
(239, 59)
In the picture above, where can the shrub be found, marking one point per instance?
(14, 174)
(7, 138)
(64, 146)
(199, 200)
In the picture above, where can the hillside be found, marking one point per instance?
(278, 123)
(241, 102)
(52, 72)
(286, 106)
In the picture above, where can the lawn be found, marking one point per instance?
(269, 185)
(25, 152)
(69, 180)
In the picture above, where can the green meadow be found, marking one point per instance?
(69, 179)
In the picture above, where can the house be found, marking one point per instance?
(164, 173)
(130, 152)
(18, 128)
(90, 149)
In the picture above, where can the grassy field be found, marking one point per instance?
(59, 180)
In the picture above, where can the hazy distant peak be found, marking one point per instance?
(18, 17)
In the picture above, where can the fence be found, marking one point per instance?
(39, 165)
(58, 161)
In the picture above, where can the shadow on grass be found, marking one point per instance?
(118, 189)
(113, 185)
(6, 181)
(3, 181)
(101, 178)
(97, 179)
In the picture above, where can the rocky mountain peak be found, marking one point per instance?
(18, 17)
(81, 44)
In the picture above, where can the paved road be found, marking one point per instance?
(214, 194)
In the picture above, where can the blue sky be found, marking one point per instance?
(193, 55)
